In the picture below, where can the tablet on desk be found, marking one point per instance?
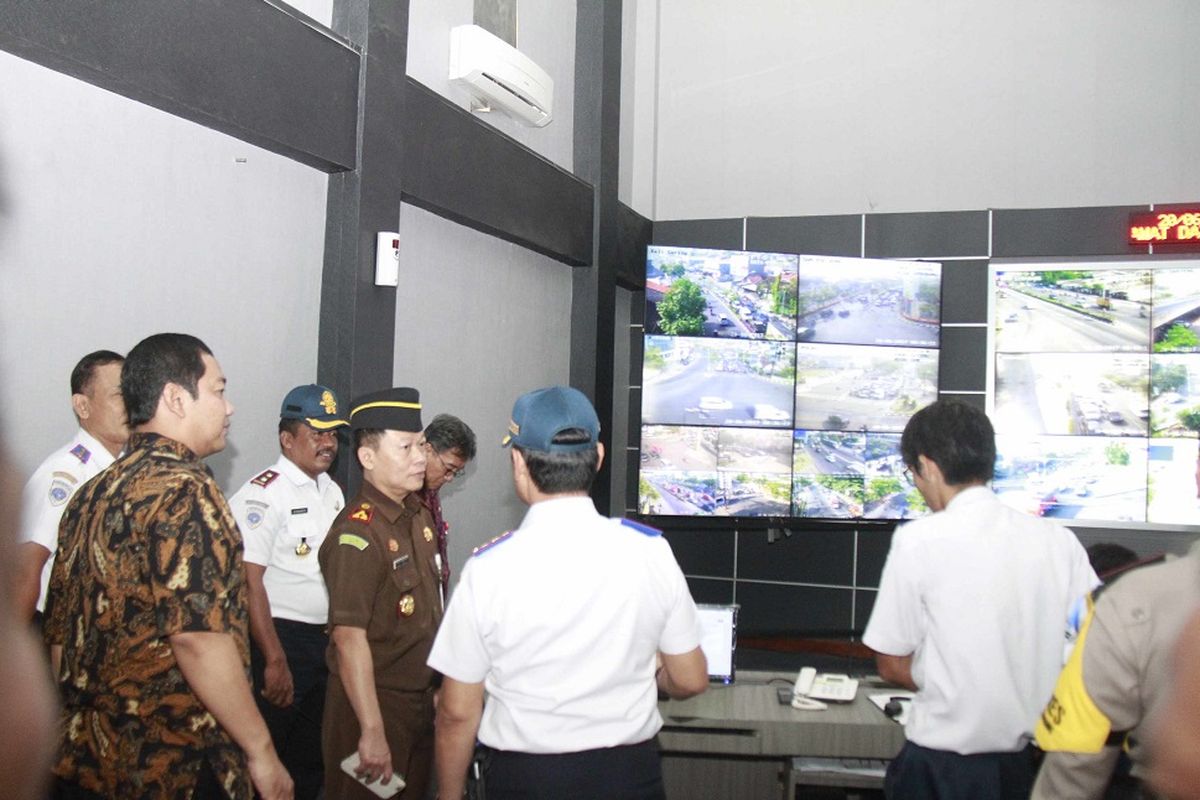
(718, 639)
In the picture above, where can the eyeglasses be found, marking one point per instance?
(452, 472)
(908, 474)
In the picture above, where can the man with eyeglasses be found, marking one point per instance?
(449, 447)
(284, 513)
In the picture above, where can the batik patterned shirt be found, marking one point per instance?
(148, 549)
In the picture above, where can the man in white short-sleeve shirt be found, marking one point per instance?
(97, 403)
(971, 614)
(284, 513)
(572, 623)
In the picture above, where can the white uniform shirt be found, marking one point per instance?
(561, 621)
(51, 486)
(278, 511)
(979, 594)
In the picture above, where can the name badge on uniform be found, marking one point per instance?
(296, 511)
(400, 562)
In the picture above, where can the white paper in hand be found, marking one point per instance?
(381, 788)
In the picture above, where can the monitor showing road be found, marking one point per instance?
(775, 385)
(1096, 397)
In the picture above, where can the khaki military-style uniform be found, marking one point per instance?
(380, 568)
(1115, 678)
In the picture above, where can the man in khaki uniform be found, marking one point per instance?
(379, 563)
(1115, 679)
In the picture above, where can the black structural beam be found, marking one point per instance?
(463, 169)
(356, 347)
(597, 160)
(248, 69)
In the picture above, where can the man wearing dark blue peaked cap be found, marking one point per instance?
(574, 621)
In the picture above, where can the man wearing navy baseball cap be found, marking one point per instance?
(380, 564)
(284, 513)
(572, 624)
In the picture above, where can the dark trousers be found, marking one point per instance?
(207, 788)
(921, 773)
(629, 772)
(296, 730)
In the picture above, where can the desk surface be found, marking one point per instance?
(747, 719)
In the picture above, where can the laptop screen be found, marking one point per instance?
(718, 639)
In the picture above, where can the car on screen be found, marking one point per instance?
(713, 403)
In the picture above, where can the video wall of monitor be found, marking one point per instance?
(1096, 390)
(776, 385)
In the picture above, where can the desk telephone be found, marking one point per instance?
(811, 688)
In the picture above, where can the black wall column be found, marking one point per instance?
(597, 156)
(358, 319)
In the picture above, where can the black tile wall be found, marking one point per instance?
(963, 360)
(964, 291)
(635, 413)
(720, 234)
(637, 306)
(813, 236)
(705, 590)
(803, 557)
(978, 399)
(708, 553)
(864, 601)
(930, 234)
(1037, 232)
(873, 545)
(771, 609)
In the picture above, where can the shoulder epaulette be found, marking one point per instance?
(82, 453)
(488, 545)
(640, 528)
(264, 478)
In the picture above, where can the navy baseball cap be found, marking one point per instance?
(315, 404)
(539, 416)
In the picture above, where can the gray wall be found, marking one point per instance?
(545, 33)
(780, 108)
(120, 221)
(478, 322)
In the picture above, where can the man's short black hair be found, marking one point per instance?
(563, 473)
(290, 425)
(446, 433)
(153, 363)
(85, 370)
(367, 437)
(954, 435)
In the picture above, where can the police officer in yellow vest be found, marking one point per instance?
(379, 563)
(1116, 679)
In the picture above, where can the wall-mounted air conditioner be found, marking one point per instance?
(499, 76)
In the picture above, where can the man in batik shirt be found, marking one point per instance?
(147, 611)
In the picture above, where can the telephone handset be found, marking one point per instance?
(811, 688)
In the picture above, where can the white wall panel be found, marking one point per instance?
(479, 321)
(119, 221)
(796, 108)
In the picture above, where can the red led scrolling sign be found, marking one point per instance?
(1169, 227)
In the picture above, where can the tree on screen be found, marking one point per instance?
(1179, 338)
(1190, 419)
(1167, 377)
(1116, 454)
(681, 311)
